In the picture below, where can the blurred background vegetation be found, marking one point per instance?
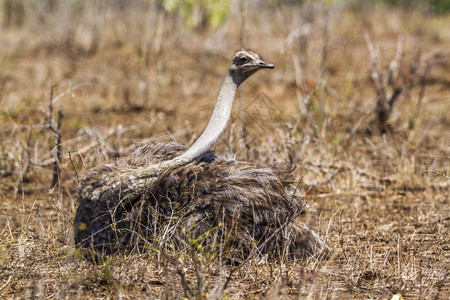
(198, 13)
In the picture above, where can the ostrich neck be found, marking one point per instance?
(216, 126)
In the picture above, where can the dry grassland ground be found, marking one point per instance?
(140, 76)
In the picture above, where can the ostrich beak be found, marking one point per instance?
(263, 64)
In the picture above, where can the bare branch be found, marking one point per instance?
(68, 91)
(394, 97)
(373, 65)
(296, 34)
(58, 141)
(394, 66)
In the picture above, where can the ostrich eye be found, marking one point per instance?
(243, 59)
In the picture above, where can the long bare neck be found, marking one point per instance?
(218, 122)
(216, 126)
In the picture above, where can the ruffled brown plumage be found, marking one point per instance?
(218, 201)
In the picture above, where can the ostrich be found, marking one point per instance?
(164, 195)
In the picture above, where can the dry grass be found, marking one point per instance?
(381, 201)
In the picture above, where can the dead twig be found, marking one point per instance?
(6, 283)
(68, 91)
(72, 164)
(436, 174)
(58, 139)
(346, 167)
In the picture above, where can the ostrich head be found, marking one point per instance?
(246, 63)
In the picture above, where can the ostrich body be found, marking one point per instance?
(166, 195)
